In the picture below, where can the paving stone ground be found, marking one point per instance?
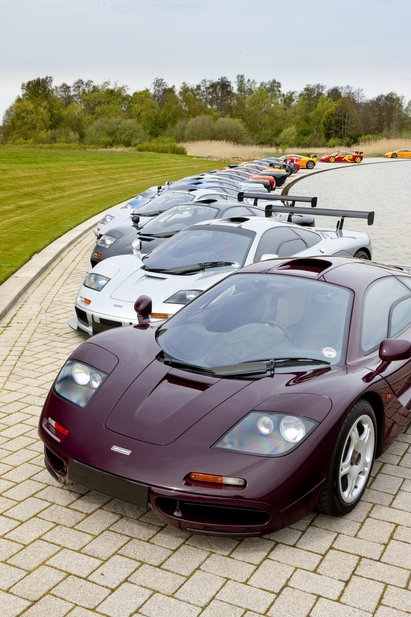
(70, 551)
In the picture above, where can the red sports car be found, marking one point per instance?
(270, 394)
(342, 157)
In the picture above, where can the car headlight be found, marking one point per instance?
(106, 219)
(184, 296)
(266, 434)
(95, 281)
(77, 382)
(106, 241)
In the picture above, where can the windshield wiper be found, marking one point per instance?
(160, 234)
(244, 368)
(302, 360)
(262, 366)
(169, 361)
(192, 267)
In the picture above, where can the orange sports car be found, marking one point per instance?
(405, 153)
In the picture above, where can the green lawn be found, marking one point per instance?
(44, 192)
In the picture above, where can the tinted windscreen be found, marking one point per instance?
(199, 245)
(250, 317)
(178, 218)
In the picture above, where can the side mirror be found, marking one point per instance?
(135, 219)
(391, 350)
(136, 246)
(268, 256)
(143, 306)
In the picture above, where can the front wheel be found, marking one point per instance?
(361, 254)
(332, 159)
(394, 155)
(351, 462)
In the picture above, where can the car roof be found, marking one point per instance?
(346, 271)
(252, 223)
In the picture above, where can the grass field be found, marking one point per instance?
(45, 193)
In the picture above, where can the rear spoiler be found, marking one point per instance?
(288, 199)
(269, 209)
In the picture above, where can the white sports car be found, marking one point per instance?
(193, 260)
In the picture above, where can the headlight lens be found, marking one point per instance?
(106, 241)
(184, 296)
(78, 382)
(266, 434)
(95, 281)
(106, 219)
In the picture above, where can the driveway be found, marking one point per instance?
(70, 551)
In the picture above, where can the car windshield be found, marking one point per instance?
(270, 321)
(166, 200)
(197, 246)
(177, 218)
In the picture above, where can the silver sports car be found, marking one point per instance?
(182, 267)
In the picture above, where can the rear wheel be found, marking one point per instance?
(310, 165)
(332, 159)
(351, 462)
(361, 254)
(357, 159)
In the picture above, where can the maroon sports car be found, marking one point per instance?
(267, 396)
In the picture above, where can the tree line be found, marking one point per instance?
(245, 112)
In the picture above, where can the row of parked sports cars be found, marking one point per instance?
(249, 371)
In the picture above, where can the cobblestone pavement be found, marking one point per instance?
(70, 551)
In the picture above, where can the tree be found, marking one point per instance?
(341, 122)
(144, 109)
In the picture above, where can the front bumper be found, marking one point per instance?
(190, 512)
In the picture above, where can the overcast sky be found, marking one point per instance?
(362, 43)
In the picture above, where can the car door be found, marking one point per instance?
(387, 314)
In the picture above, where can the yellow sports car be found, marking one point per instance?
(306, 162)
(405, 153)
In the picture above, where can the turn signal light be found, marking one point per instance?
(160, 315)
(207, 477)
(85, 301)
(57, 427)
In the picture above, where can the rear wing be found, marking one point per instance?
(270, 208)
(287, 199)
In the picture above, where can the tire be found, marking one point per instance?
(394, 155)
(332, 159)
(362, 254)
(351, 462)
(357, 159)
(310, 165)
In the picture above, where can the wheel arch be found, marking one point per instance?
(375, 401)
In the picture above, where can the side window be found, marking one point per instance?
(400, 316)
(310, 237)
(237, 211)
(275, 241)
(378, 301)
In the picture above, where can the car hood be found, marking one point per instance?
(160, 286)
(163, 402)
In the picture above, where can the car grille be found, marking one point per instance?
(209, 513)
(82, 316)
(108, 484)
(105, 324)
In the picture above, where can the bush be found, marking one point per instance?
(200, 128)
(114, 132)
(165, 147)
